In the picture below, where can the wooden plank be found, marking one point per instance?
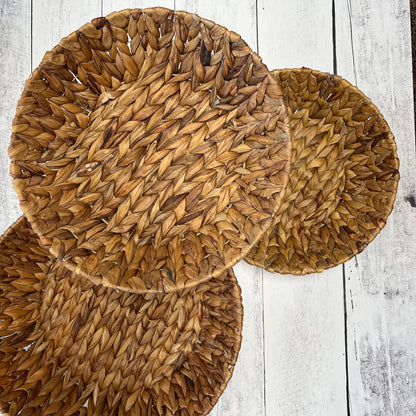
(53, 21)
(303, 316)
(304, 344)
(114, 5)
(245, 393)
(239, 16)
(15, 67)
(374, 52)
(296, 33)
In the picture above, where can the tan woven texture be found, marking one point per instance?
(150, 150)
(69, 347)
(343, 180)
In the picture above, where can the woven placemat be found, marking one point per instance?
(70, 347)
(150, 150)
(343, 180)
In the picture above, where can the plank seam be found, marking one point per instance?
(334, 40)
(349, 7)
(262, 270)
(257, 27)
(347, 377)
(412, 6)
(264, 344)
(31, 35)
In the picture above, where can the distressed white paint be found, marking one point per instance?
(374, 52)
(236, 15)
(14, 69)
(54, 20)
(304, 318)
(245, 392)
(114, 5)
(304, 341)
(292, 359)
(296, 33)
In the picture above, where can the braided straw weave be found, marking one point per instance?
(343, 180)
(150, 150)
(70, 347)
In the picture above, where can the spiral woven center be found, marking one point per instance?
(173, 161)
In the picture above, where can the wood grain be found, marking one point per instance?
(15, 67)
(304, 334)
(245, 391)
(304, 345)
(115, 5)
(239, 16)
(295, 34)
(51, 24)
(374, 51)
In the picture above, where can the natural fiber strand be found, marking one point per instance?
(69, 347)
(150, 150)
(343, 180)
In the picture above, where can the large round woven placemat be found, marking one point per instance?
(150, 150)
(70, 347)
(343, 180)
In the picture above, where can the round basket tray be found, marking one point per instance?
(70, 347)
(150, 150)
(343, 180)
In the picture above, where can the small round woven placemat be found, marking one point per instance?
(150, 150)
(70, 347)
(343, 180)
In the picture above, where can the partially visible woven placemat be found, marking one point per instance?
(343, 180)
(69, 347)
(150, 150)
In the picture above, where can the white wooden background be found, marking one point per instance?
(339, 343)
